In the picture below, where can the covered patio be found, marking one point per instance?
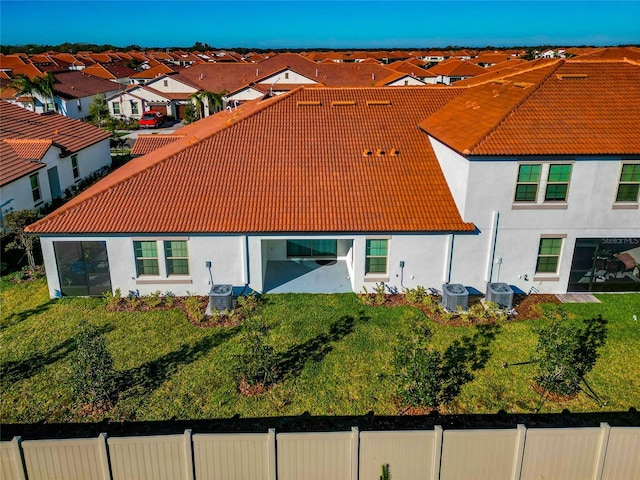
(307, 276)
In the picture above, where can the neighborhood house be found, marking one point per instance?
(531, 178)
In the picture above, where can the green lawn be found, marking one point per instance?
(178, 370)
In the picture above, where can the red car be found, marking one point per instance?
(151, 119)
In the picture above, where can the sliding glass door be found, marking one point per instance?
(83, 268)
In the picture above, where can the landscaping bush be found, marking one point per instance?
(256, 369)
(565, 352)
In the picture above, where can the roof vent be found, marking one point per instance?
(366, 152)
(378, 102)
(308, 103)
(394, 152)
(380, 152)
(472, 105)
(340, 103)
(501, 81)
(565, 76)
(522, 84)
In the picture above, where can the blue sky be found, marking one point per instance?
(329, 24)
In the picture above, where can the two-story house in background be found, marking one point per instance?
(531, 179)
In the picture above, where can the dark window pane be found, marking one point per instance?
(628, 192)
(556, 192)
(526, 193)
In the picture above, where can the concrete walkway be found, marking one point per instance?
(577, 298)
(307, 277)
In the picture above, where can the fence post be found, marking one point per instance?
(18, 460)
(104, 456)
(437, 452)
(355, 445)
(188, 455)
(271, 452)
(517, 463)
(605, 431)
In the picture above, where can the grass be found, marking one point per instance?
(337, 353)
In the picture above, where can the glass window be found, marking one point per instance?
(527, 185)
(629, 183)
(558, 183)
(549, 255)
(74, 166)
(35, 188)
(312, 248)
(177, 258)
(134, 108)
(376, 256)
(116, 108)
(146, 257)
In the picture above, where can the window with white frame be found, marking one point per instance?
(539, 183)
(172, 255)
(35, 188)
(134, 108)
(74, 167)
(629, 184)
(549, 254)
(116, 108)
(376, 256)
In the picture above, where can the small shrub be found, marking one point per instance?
(415, 296)
(246, 304)
(113, 298)
(193, 308)
(94, 379)
(27, 274)
(256, 365)
(566, 352)
(154, 299)
(379, 293)
(386, 475)
(169, 299)
(365, 297)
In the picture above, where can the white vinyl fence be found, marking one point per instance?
(598, 453)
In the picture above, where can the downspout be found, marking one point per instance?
(247, 275)
(449, 259)
(492, 245)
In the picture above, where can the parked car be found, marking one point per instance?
(151, 119)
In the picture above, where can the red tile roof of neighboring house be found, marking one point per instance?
(148, 143)
(75, 84)
(613, 53)
(155, 71)
(109, 71)
(24, 135)
(568, 107)
(408, 67)
(313, 160)
(456, 68)
(511, 67)
(491, 58)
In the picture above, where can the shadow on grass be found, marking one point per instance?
(291, 362)
(16, 318)
(16, 371)
(149, 376)
(465, 356)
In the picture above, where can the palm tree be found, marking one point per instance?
(40, 85)
(212, 99)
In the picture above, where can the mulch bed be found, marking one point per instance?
(525, 307)
(554, 397)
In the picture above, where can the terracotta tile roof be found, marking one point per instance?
(569, 107)
(26, 136)
(410, 68)
(456, 68)
(110, 71)
(613, 53)
(511, 67)
(148, 143)
(156, 71)
(75, 84)
(298, 163)
(491, 58)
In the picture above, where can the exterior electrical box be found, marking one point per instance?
(501, 294)
(455, 297)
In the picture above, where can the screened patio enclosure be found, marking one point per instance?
(83, 268)
(308, 265)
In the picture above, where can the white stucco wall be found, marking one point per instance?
(288, 76)
(173, 86)
(406, 81)
(484, 188)
(90, 159)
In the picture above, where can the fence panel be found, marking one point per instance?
(622, 461)
(69, 459)
(561, 453)
(161, 457)
(10, 462)
(409, 454)
(234, 456)
(316, 456)
(478, 454)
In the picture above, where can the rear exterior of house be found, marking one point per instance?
(329, 190)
